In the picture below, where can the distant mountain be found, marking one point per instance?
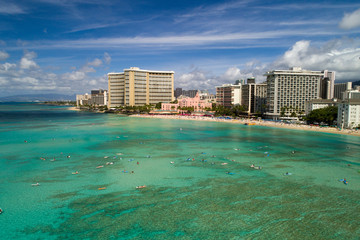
(38, 98)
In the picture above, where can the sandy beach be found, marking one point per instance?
(257, 122)
(74, 109)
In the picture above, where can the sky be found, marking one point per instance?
(69, 46)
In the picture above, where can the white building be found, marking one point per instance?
(349, 110)
(82, 100)
(319, 103)
(289, 90)
(137, 87)
(228, 95)
(349, 113)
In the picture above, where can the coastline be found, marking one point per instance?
(73, 109)
(256, 122)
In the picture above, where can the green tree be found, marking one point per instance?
(326, 115)
(158, 105)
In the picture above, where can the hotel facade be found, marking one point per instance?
(138, 87)
(228, 95)
(289, 90)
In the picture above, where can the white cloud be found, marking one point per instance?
(27, 75)
(350, 20)
(107, 58)
(96, 63)
(74, 76)
(4, 68)
(27, 61)
(26, 80)
(340, 55)
(232, 73)
(3, 55)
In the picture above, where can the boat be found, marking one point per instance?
(100, 166)
(101, 188)
(249, 124)
(35, 184)
(75, 172)
(139, 187)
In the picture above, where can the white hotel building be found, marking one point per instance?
(137, 87)
(289, 90)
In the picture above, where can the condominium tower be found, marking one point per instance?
(289, 90)
(137, 87)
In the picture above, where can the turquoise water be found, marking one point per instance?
(184, 165)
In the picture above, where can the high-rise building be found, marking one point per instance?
(254, 96)
(228, 95)
(289, 90)
(339, 88)
(137, 87)
(327, 85)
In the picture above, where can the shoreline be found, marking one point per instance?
(73, 109)
(256, 122)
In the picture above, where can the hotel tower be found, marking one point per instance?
(137, 87)
(289, 90)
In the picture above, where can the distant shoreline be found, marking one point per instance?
(256, 122)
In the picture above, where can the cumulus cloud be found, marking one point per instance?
(29, 76)
(4, 68)
(232, 73)
(74, 76)
(27, 61)
(340, 55)
(350, 20)
(3, 55)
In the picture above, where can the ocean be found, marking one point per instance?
(198, 177)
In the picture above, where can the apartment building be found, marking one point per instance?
(289, 90)
(137, 87)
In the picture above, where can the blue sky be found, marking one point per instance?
(68, 46)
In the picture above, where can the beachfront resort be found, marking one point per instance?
(286, 97)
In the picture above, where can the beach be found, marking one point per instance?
(256, 122)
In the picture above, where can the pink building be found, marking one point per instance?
(196, 103)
